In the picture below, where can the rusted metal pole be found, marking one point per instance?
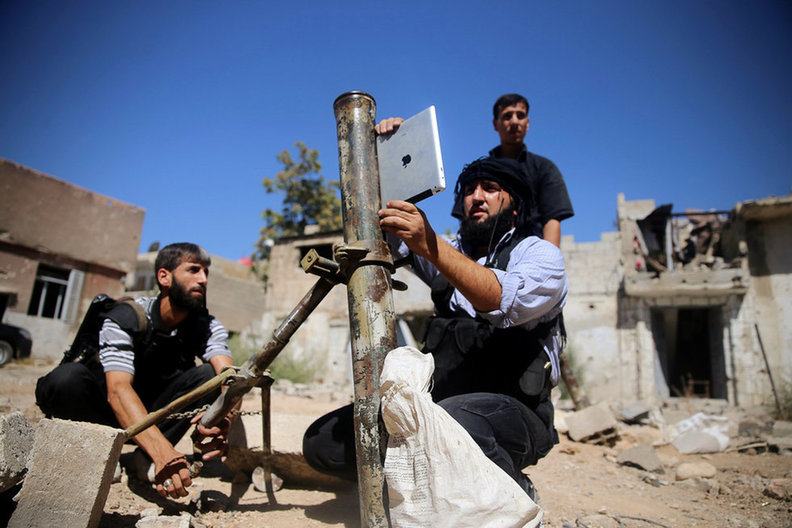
(249, 374)
(371, 313)
(579, 398)
(266, 439)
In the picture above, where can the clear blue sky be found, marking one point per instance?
(181, 107)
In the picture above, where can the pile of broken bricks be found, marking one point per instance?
(696, 434)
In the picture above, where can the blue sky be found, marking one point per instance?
(181, 107)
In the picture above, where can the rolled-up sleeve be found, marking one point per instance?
(534, 285)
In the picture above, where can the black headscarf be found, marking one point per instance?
(507, 173)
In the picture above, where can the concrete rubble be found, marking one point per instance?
(595, 424)
(69, 475)
(779, 489)
(641, 456)
(636, 412)
(689, 470)
(151, 518)
(692, 427)
(16, 442)
(640, 429)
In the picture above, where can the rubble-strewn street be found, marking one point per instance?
(638, 481)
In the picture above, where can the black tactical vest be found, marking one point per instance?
(163, 356)
(472, 355)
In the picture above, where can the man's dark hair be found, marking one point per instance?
(172, 255)
(509, 100)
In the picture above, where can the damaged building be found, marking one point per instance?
(684, 304)
(673, 304)
(59, 246)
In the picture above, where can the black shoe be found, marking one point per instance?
(530, 489)
(138, 465)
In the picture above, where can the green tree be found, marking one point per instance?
(308, 199)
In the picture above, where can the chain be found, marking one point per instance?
(199, 410)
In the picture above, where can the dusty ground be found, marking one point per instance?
(581, 485)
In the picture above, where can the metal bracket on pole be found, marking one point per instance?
(363, 252)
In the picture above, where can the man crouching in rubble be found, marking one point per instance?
(139, 374)
(497, 291)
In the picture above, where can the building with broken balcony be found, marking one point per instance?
(684, 304)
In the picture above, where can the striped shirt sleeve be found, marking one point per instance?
(217, 344)
(116, 349)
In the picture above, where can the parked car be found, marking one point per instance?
(15, 343)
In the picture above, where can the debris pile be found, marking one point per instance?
(693, 240)
(642, 434)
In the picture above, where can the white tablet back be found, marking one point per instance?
(410, 161)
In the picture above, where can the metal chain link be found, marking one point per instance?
(199, 410)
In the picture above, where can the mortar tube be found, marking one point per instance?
(372, 319)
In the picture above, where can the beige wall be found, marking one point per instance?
(45, 220)
(58, 218)
(234, 295)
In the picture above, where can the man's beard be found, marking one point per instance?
(479, 234)
(181, 298)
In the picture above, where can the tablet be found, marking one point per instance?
(409, 159)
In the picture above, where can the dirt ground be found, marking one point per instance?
(581, 485)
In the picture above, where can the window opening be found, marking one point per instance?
(49, 292)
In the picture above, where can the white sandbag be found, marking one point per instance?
(701, 433)
(436, 474)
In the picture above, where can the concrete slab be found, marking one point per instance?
(69, 475)
(641, 456)
(590, 422)
(16, 442)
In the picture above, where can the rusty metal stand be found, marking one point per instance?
(365, 259)
(266, 437)
(579, 398)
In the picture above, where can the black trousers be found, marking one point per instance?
(507, 431)
(73, 391)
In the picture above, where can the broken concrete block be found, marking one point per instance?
(782, 428)
(165, 521)
(781, 445)
(689, 470)
(16, 441)
(779, 489)
(635, 412)
(591, 422)
(754, 427)
(69, 475)
(641, 456)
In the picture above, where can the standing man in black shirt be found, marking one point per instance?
(549, 192)
(552, 205)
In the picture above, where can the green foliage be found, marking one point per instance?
(308, 199)
(239, 351)
(285, 365)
